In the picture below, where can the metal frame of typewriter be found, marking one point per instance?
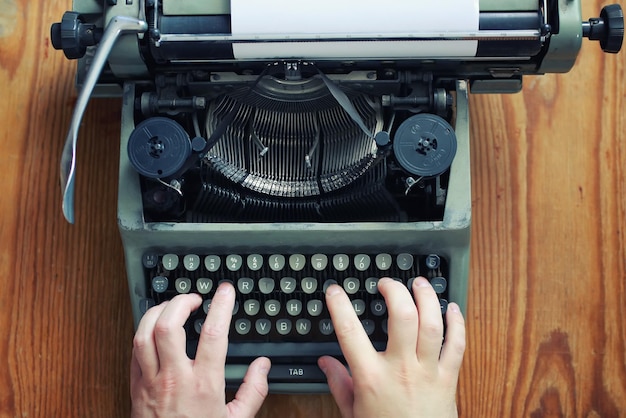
(500, 76)
(448, 237)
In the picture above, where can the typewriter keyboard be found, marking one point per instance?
(279, 310)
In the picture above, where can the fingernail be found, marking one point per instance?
(322, 365)
(421, 282)
(383, 281)
(332, 290)
(454, 307)
(265, 368)
(224, 288)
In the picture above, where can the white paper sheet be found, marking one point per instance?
(357, 17)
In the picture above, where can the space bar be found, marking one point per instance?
(284, 349)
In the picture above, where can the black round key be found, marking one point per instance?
(439, 284)
(150, 260)
(160, 284)
(369, 326)
(328, 283)
(378, 307)
(197, 325)
(443, 304)
(433, 261)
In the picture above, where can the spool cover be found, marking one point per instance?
(158, 147)
(425, 145)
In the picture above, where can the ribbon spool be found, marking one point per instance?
(158, 147)
(425, 145)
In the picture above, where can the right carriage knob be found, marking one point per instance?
(608, 28)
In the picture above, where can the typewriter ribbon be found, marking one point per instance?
(158, 147)
(425, 145)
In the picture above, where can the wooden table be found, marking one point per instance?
(546, 328)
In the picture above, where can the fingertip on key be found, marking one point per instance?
(224, 288)
(454, 308)
(195, 295)
(384, 280)
(420, 282)
(264, 366)
(333, 290)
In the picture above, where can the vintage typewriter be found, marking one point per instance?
(283, 147)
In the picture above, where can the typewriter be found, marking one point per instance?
(283, 148)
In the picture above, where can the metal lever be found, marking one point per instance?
(117, 26)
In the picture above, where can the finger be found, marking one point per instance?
(454, 345)
(402, 320)
(253, 390)
(430, 331)
(135, 370)
(354, 342)
(169, 333)
(213, 344)
(136, 386)
(144, 347)
(339, 382)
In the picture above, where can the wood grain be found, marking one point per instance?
(546, 329)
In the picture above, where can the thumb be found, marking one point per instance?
(339, 383)
(252, 392)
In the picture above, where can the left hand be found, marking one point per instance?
(165, 382)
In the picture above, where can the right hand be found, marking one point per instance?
(415, 376)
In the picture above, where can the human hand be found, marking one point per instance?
(166, 383)
(415, 376)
